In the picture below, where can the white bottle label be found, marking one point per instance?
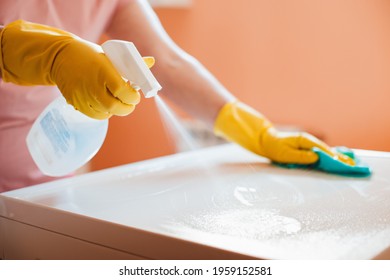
(57, 132)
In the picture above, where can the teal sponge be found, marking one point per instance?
(328, 164)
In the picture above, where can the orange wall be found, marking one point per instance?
(321, 65)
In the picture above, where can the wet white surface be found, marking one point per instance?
(230, 199)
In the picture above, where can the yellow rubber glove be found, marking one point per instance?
(243, 125)
(35, 54)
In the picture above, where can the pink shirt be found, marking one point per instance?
(20, 105)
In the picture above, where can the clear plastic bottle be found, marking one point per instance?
(62, 139)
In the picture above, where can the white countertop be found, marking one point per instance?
(220, 202)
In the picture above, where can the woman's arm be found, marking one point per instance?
(184, 80)
(187, 83)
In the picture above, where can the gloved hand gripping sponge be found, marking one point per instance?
(329, 164)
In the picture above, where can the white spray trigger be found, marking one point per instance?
(130, 64)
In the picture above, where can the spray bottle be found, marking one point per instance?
(62, 139)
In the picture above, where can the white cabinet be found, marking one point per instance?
(216, 203)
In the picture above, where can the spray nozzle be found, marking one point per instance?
(130, 64)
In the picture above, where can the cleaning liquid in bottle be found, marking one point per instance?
(63, 139)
